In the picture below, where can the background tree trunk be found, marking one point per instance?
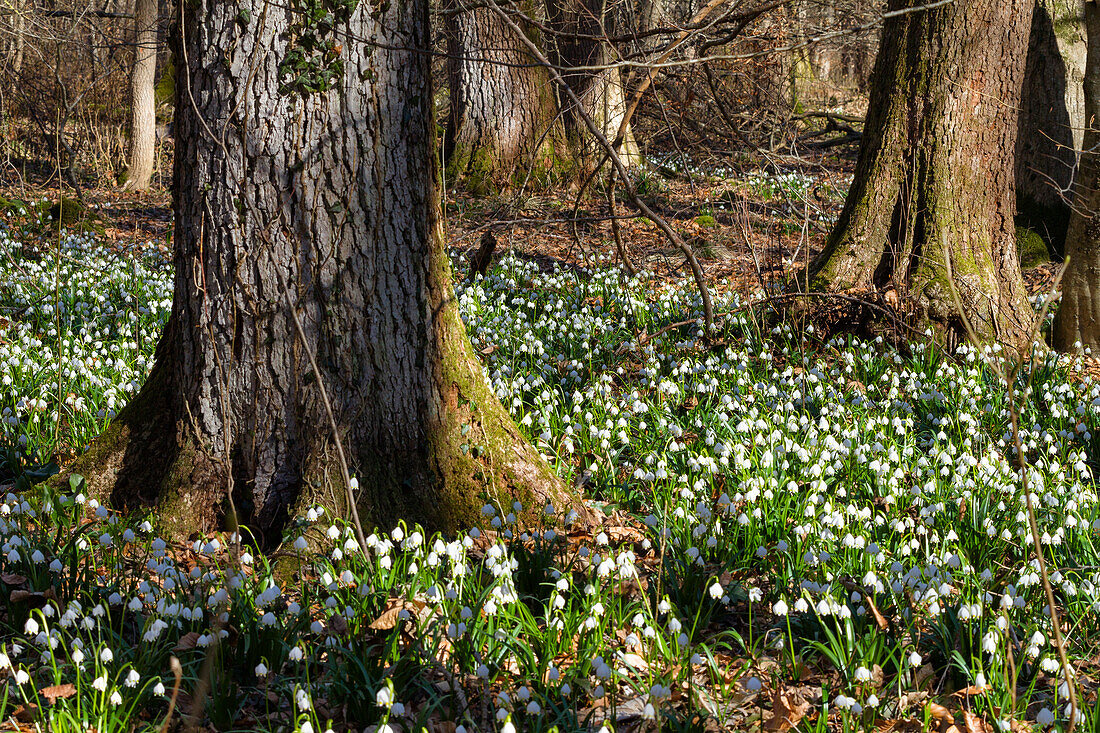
(934, 184)
(1077, 322)
(293, 167)
(1052, 119)
(20, 25)
(650, 15)
(143, 121)
(579, 25)
(503, 113)
(773, 73)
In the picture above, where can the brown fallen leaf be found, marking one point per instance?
(337, 625)
(866, 598)
(907, 725)
(940, 713)
(787, 710)
(943, 716)
(13, 578)
(972, 723)
(924, 675)
(877, 675)
(32, 597)
(441, 726)
(187, 642)
(972, 690)
(53, 693)
(391, 615)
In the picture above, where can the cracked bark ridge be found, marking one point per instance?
(578, 26)
(338, 190)
(503, 125)
(934, 185)
(1077, 321)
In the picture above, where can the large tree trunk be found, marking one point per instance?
(933, 189)
(291, 167)
(579, 25)
(503, 126)
(1077, 322)
(143, 121)
(1052, 118)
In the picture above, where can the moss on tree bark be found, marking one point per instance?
(330, 195)
(1077, 321)
(503, 128)
(930, 210)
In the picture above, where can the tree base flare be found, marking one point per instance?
(475, 455)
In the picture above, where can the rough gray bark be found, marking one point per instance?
(1052, 118)
(143, 120)
(578, 24)
(1077, 322)
(334, 191)
(503, 121)
(930, 210)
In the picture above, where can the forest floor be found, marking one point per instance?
(797, 533)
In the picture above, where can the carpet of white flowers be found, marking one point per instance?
(799, 535)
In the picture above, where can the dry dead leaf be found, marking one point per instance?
(704, 700)
(391, 614)
(923, 675)
(880, 620)
(623, 533)
(33, 597)
(337, 625)
(940, 713)
(441, 726)
(908, 725)
(877, 676)
(53, 693)
(787, 710)
(187, 642)
(972, 723)
(866, 598)
(13, 578)
(972, 690)
(944, 717)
